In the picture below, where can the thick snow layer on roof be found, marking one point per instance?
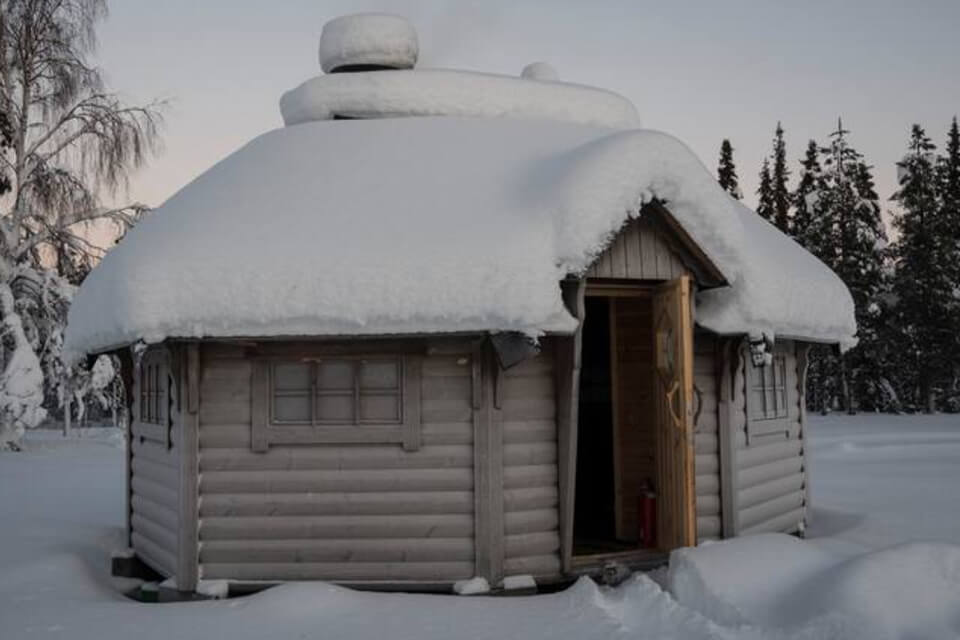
(419, 225)
(440, 92)
(782, 291)
(368, 39)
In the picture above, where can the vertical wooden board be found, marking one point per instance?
(727, 364)
(189, 418)
(648, 245)
(674, 357)
(488, 474)
(568, 359)
(634, 257)
(412, 398)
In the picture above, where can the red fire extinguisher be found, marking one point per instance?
(647, 516)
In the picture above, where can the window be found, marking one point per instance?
(337, 399)
(337, 392)
(768, 400)
(152, 392)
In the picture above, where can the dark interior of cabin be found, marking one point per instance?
(616, 442)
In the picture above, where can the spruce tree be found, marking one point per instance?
(838, 219)
(922, 280)
(949, 174)
(805, 197)
(765, 192)
(727, 171)
(780, 192)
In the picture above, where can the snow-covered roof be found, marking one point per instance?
(434, 92)
(433, 224)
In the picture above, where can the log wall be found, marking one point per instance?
(770, 468)
(706, 437)
(155, 481)
(344, 512)
(530, 472)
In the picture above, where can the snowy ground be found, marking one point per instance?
(879, 481)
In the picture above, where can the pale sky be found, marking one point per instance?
(700, 70)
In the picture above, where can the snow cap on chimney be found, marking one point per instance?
(367, 42)
(542, 71)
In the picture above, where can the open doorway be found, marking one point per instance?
(616, 446)
(634, 427)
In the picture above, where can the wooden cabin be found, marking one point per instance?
(416, 448)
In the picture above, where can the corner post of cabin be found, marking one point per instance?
(488, 465)
(568, 359)
(803, 365)
(727, 363)
(188, 560)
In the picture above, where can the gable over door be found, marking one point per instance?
(673, 346)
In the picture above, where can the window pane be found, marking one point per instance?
(757, 405)
(335, 375)
(291, 377)
(380, 408)
(379, 374)
(338, 409)
(291, 408)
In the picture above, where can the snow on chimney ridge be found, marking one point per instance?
(365, 41)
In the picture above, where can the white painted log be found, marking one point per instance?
(771, 489)
(770, 509)
(530, 476)
(165, 496)
(537, 566)
(532, 544)
(540, 366)
(152, 554)
(528, 454)
(706, 443)
(338, 551)
(336, 481)
(225, 411)
(708, 527)
(530, 499)
(155, 453)
(708, 505)
(763, 453)
(707, 484)
(761, 474)
(337, 527)
(338, 504)
(164, 538)
(517, 522)
(529, 407)
(706, 463)
(520, 431)
(333, 457)
(164, 516)
(433, 571)
(161, 474)
(788, 522)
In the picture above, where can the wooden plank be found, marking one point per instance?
(398, 550)
(346, 504)
(411, 409)
(337, 527)
(339, 571)
(567, 353)
(188, 564)
(372, 457)
(618, 419)
(357, 481)
(539, 520)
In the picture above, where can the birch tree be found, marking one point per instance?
(68, 145)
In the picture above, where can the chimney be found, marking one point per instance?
(368, 42)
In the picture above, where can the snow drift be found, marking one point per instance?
(432, 225)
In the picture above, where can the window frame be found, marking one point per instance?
(770, 383)
(267, 430)
(153, 398)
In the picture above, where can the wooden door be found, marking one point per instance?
(673, 349)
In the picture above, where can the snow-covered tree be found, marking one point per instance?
(949, 169)
(804, 198)
(780, 191)
(67, 142)
(765, 192)
(838, 219)
(925, 255)
(727, 171)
